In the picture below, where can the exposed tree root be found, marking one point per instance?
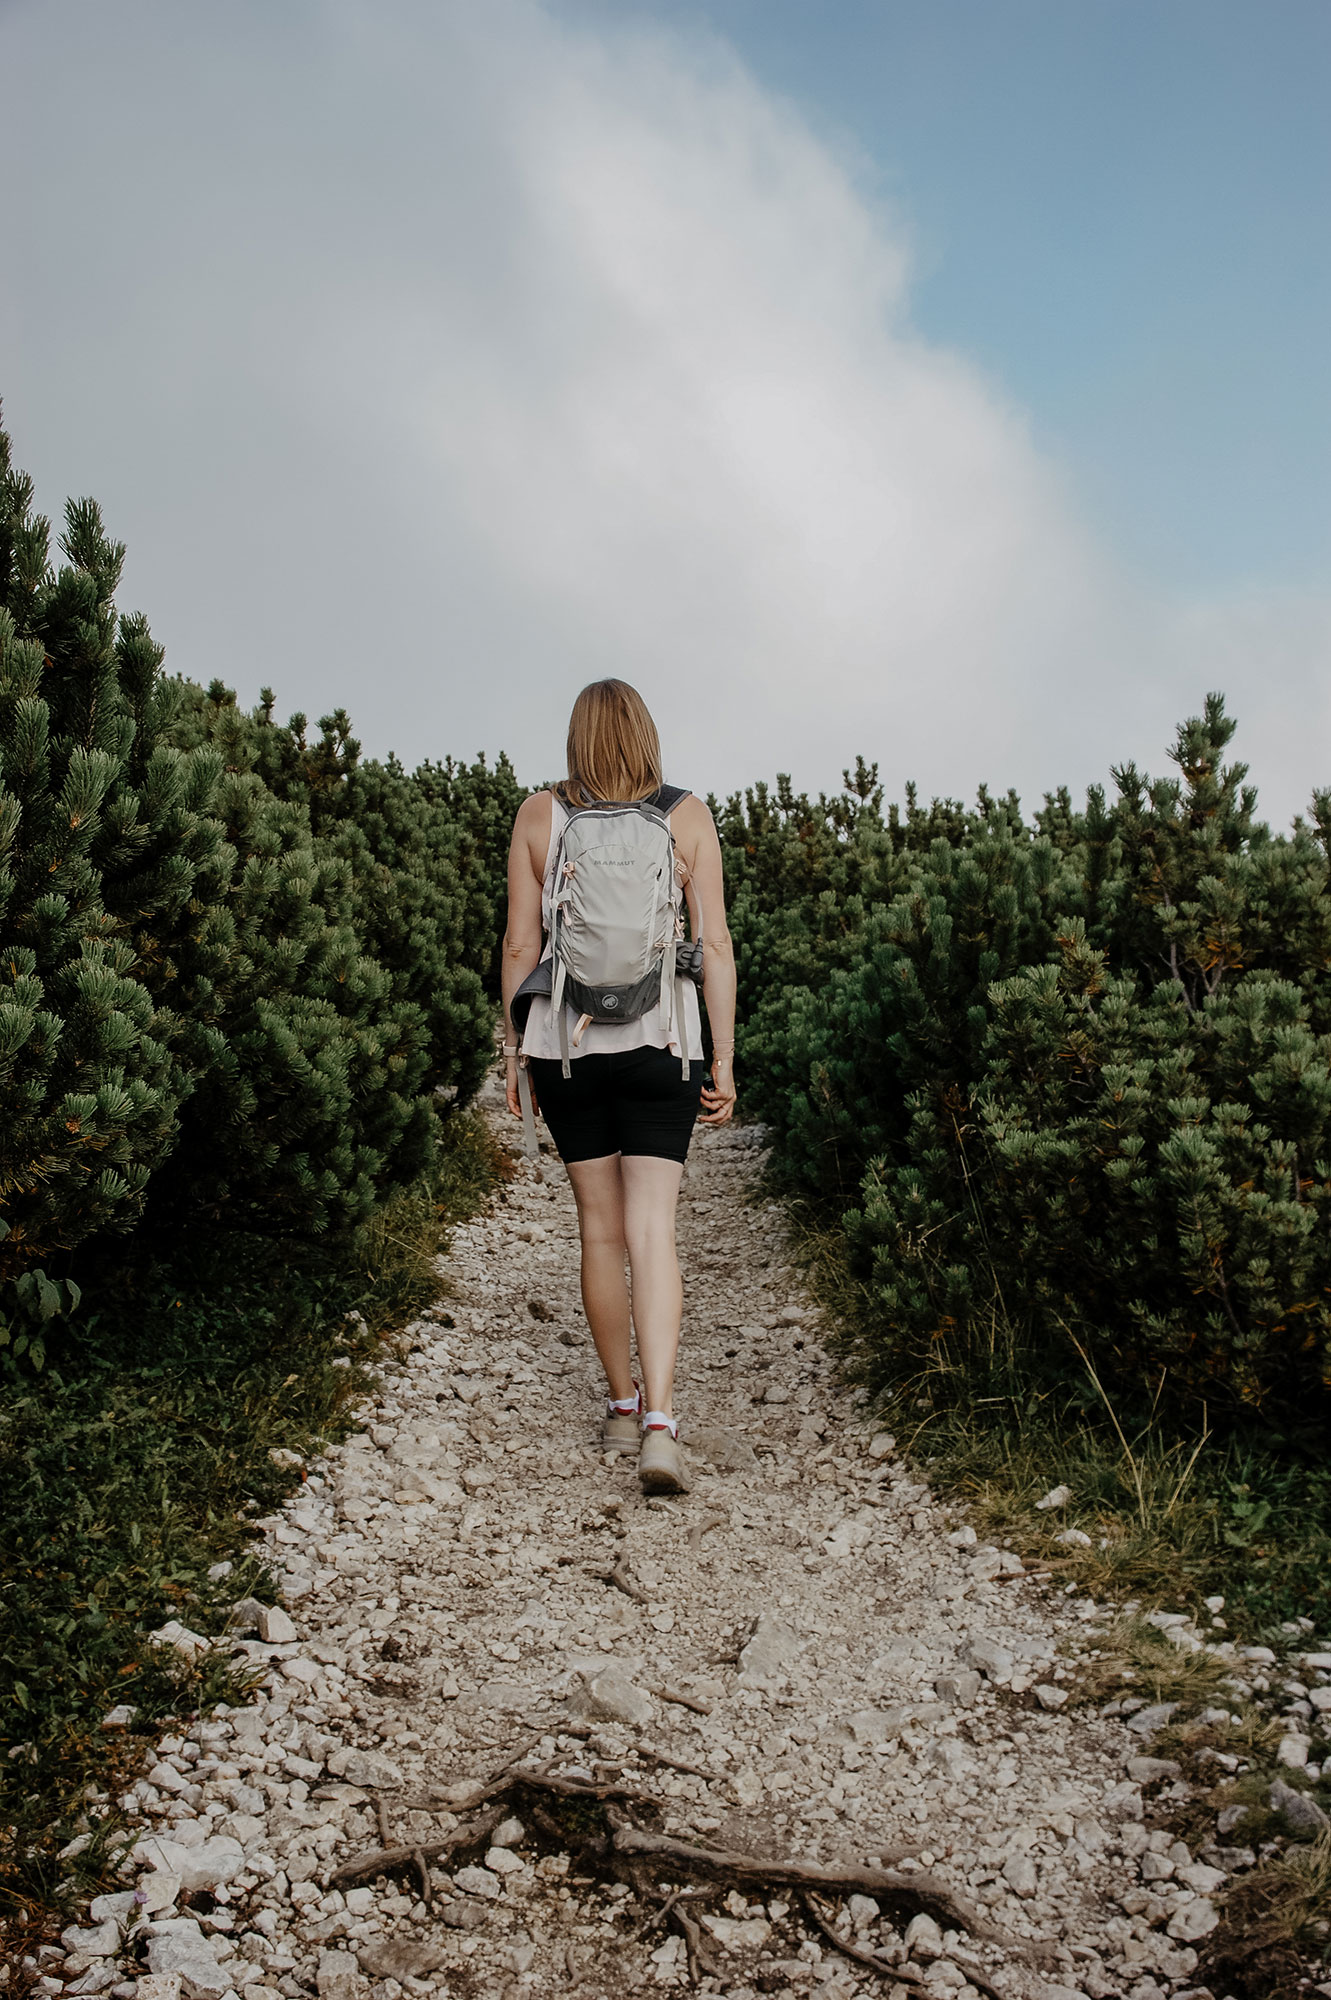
(677, 1764)
(862, 1956)
(658, 1915)
(699, 1961)
(594, 1822)
(900, 1894)
(386, 1860)
(856, 1952)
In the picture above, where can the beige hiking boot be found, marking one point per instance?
(660, 1466)
(622, 1425)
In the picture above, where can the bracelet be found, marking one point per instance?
(510, 1048)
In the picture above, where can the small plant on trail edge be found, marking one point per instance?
(36, 1301)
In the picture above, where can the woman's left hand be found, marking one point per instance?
(511, 1097)
(719, 1096)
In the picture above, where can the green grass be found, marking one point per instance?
(129, 1465)
(1167, 1528)
(1172, 1519)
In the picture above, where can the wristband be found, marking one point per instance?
(510, 1048)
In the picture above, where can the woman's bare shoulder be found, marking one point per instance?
(691, 819)
(692, 811)
(531, 824)
(534, 810)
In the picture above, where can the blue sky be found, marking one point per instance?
(1122, 210)
(939, 382)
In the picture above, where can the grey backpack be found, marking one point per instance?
(616, 922)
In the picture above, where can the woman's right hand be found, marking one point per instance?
(719, 1095)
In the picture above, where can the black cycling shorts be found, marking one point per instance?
(632, 1101)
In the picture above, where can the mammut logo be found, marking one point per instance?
(610, 1001)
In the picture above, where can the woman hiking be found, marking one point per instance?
(601, 1011)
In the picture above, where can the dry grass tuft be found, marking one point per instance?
(1133, 1658)
(1276, 1922)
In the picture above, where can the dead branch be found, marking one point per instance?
(621, 1579)
(855, 1951)
(382, 1860)
(485, 1788)
(422, 1870)
(901, 1894)
(677, 1764)
(682, 1700)
(700, 1527)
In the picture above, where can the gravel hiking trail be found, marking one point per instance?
(524, 1732)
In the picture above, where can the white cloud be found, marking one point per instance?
(443, 358)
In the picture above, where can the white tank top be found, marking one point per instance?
(649, 1031)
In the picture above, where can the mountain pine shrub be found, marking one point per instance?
(1068, 1082)
(106, 841)
(355, 1007)
(242, 975)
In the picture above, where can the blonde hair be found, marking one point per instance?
(614, 751)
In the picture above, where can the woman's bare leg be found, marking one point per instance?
(650, 1197)
(599, 1193)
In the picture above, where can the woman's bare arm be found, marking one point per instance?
(698, 845)
(523, 937)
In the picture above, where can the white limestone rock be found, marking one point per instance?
(187, 1953)
(771, 1651)
(210, 1864)
(610, 1696)
(995, 1662)
(365, 1767)
(1193, 1920)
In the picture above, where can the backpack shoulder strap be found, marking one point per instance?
(668, 798)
